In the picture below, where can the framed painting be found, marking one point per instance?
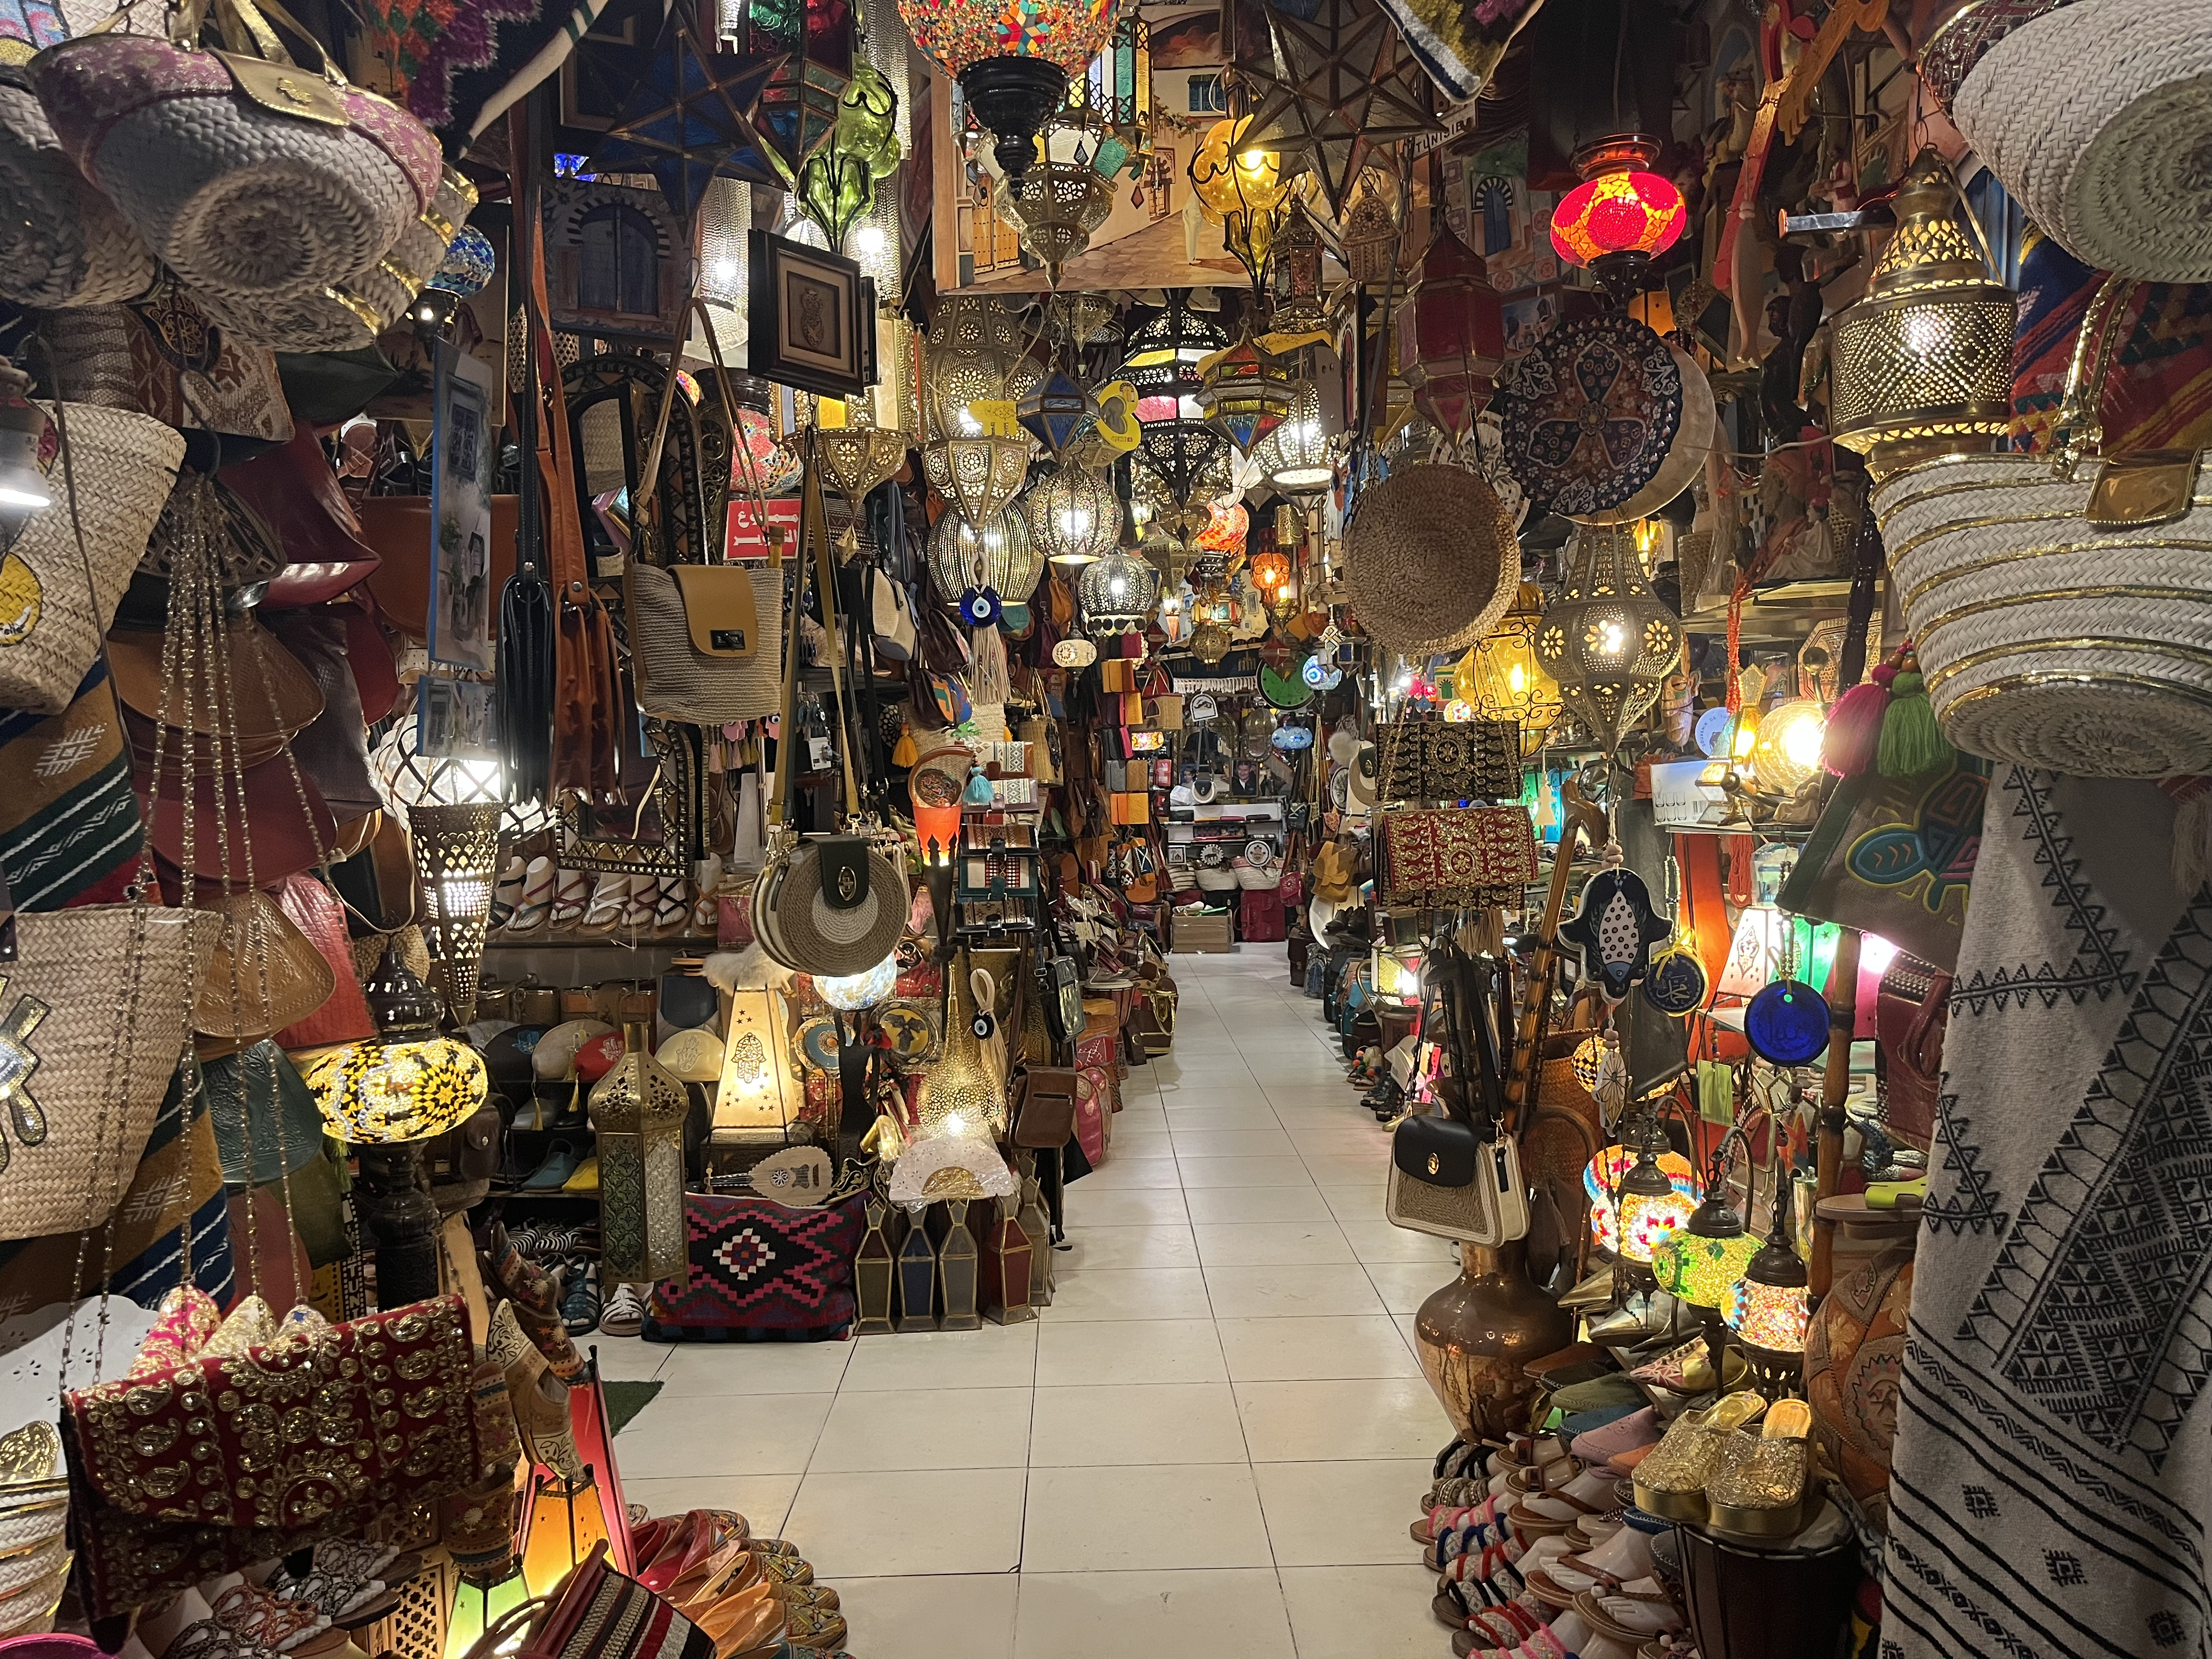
(812, 317)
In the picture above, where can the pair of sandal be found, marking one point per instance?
(539, 898)
(710, 1568)
(1710, 1469)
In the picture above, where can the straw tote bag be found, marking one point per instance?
(250, 177)
(63, 244)
(61, 581)
(2094, 116)
(92, 1025)
(2061, 605)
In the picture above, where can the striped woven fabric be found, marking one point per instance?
(69, 829)
(2159, 390)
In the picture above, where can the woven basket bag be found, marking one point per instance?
(61, 242)
(241, 202)
(73, 1151)
(348, 316)
(2096, 115)
(1430, 559)
(2048, 639)
(57, 599)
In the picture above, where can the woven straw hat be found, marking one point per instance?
(1426, 555)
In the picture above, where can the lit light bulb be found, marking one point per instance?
(1924, 332)
(1118, 586)
(1746, 735)
(725, 271)
(1610, 638)
(955, 1124)
(1875, 954)
(1517, 677)
(869, 240)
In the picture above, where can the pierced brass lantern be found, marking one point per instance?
(1608, 640)
(1923, 362)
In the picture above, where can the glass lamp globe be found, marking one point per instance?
(1701, 1262)
(1768, 1310)
(1606, 1174)
(1787, 749)
(1651, 1209)
(1117, 592)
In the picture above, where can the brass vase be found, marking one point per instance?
(1476, 1333)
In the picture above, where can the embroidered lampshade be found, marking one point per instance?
(1501, 676)
(1012, 59)
(1608, 640)
(1074, 515)
(1923, 362)
(1457, 334)
(1245, 392)
(1117, 592)
(1622, 215)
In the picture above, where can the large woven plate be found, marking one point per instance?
(1590, 413)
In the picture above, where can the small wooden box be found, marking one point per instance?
(1208, 935)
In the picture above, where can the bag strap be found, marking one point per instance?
(2078, 431)
(564, 529)
(814, 529)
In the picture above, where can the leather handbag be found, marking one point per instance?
(1448, 1177)
(1910, 1013)
(199, 1468)
(1044, 1106)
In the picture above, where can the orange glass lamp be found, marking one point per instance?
(1622, 216)
(1271, 570)
(1768, 1309)
(1227, 525)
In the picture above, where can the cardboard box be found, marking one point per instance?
(1209, 935)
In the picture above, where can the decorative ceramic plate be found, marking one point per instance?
(1589, 415)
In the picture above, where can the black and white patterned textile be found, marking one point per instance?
(2052, 1479)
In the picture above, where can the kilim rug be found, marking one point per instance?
(2051, 1478)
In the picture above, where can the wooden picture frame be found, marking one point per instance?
(813, 319)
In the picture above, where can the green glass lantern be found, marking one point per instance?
(837, 185)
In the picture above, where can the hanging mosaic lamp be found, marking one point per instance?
(1074, 516)
(1245, 392)
(1228, 523)
(1768, 1309)
(1608, 640)
(1601, 1181)
(1622, 216)
(1923, 362)
(1503, 677)
(1012, 59)
(1457, 334)
(1701, 1262)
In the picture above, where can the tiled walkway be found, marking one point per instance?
(1208, 1448)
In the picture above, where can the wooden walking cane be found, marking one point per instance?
(1536, 993)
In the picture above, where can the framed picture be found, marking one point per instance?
(813, 319)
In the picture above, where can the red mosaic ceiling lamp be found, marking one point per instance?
(1623, 216)
(1457, 332)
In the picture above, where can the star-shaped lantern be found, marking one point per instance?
(1339, 84)
(688, 110)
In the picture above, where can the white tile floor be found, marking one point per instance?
(1212, 1442)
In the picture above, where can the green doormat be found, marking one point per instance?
(626, 1399)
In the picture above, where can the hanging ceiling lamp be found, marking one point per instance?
(1227, 523)
(1622, 216)
(837, 185)
(1705, 1257)
(979, 474)
(1245, 392)
(1296, 456)
(1457, 334)
(1117, 592)
(862, 441)
(1239, 186)
(1608, 640)
(1074, 516)
(1298, 304)
(1000, 559)
(1012, 59)
(1371, 235)
(1056, 412)
(1162, 361)
(1502, 678)
(1121, 93)
(1923, 362)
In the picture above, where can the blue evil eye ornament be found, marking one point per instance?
(1613, 930)
(1291, 739)
(1675, 982)
(469, 264)
(980, 606)
(1787, 1024)
(1320, 673)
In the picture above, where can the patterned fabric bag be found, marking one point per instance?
(197, 1470)
(69, 829)
(1450, 760)
(758, 1270)
(1456, 857)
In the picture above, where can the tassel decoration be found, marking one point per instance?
(1853, 734)
(2193, 831)
(987, 680)
(1912, 744)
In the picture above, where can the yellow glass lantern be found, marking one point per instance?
(1787, 749)
(1701, 1262)
(375, 1093)
(637, 1116)
(1500, 674)
(1232, 177)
